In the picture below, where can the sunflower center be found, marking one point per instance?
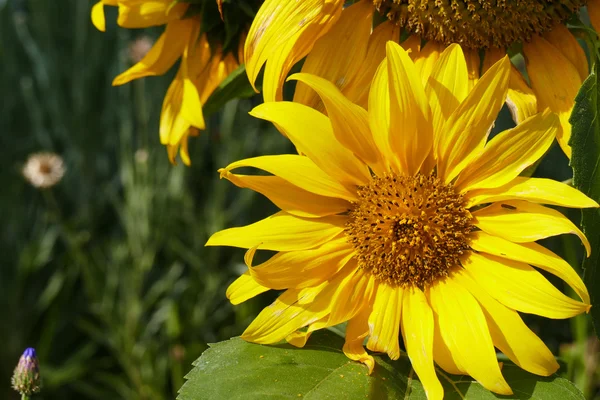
(478, 24)
(409, 231)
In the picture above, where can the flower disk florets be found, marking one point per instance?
(409, 231)
(478, 24)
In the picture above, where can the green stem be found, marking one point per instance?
(25, 397)
(72, 242)
(579, 325)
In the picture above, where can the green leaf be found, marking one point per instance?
(235, 369)
(236, 85)
(585, 160)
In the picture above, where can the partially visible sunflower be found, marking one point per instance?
(205, 63)
(405, 220)
(284, 32)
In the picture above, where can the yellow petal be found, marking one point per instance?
(447, 86)
(244, 288)
(356, 331)
(299, 269)
(288, 197)
(520, 287)
(530, 253)
(426, 59)
(410, 132)
(167, 49)
(285, 315)
(183, 151)
(521, 221)
(464, 330)
(521, 100)
(182, 107)
(384, 321)
(337, 55)
(412, 45)
(561, 38)
(350, 122)
(491, 57)
(555, 81)
(593, 8)
(300, 337)
(210, 69)
(172, 153)
(379, 116)
(509, 153)
(357, 90)
(417, 331)
(473, 66)
(191, 106)
(466, 131)
(536, 190)
(149, 13)
(509, 333)
(441, 353)
(361, 289)
(283, 33)
(347, 302)
(295, 309)
(299, 171)
(564, 134)
(280, 62)
(172, 123)
(281, 232)
(312, 134)
(98, 18)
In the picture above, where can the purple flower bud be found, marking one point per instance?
(26, 378)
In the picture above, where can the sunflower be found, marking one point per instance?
(202, 68)
(403, 219)
(284, 32)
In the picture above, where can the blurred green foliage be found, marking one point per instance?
(106, 274)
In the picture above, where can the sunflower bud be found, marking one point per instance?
(26, 378)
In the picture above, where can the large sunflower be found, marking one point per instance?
(403, 220)
(203, 67)
(284, 32)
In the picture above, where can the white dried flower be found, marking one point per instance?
(141, 156)
(44, 170)
(139, 48)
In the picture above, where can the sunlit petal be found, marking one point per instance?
(338, 55)
(537, 190)
(509, 153)
(244, 288)
(417, 331)
(533, 254)
(288, 197)
(281, 232)
(509, 333)
(312, 133)
(467, 128)
(299, 171)
(464, 330)
(521, 221)
(384, 321)
(410, 130)
(520, 287)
